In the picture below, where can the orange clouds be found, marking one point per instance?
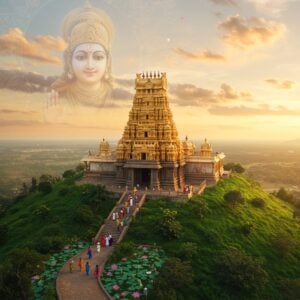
(281, 84)
(249, 33)
(191, 95)
(264, 110)
(15, 42)
(201, 56)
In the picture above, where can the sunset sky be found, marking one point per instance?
(232, 65)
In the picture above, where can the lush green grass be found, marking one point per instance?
(220, 229)
(61, 223)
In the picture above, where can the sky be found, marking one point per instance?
(232, 66)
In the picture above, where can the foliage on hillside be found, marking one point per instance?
(256, 243)
(49, 217)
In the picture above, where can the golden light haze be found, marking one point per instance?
(232, 67)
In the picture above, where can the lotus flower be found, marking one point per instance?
(115, 287)
(144, 257)
(123, 294)
(136, 295)
(114, 267)
(109, 274)
(124, 259)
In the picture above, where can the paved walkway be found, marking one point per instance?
(77, 285)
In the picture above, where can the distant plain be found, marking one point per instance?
(272, 164)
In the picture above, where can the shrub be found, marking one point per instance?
(187, 251)
(238, 270)
(169, 226)
(258, 202)
(175, 276)
(200, 208)
(290, 288)
(283, 243)
(3, 233)
(49, 244)
(84, 215)
(246, 228)
(237, 168)
(284, 195)
(63, 191)
(42, 211)
(296, 213)
(16, 273)
(124, 249)
(69, 173)
(234, 197)
(45, 187)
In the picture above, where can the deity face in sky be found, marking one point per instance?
(89, 63)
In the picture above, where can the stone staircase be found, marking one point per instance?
(78, 286)
(109, 225)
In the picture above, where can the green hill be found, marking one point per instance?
(236, 251)
(217, 249)
(47, 221)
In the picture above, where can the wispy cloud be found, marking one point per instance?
(15, 42)
(264, 110)
(25, 81)
(225, 2)
(248, 33)
(281, 84)
(271, 6)
(191, 95)
(13, 111)
(205, 55)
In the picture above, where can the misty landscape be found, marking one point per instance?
(273, 165)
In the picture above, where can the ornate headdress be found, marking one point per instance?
(87, 25)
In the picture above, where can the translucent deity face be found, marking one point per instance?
(89, 62)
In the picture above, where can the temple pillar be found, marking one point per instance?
(155, 179)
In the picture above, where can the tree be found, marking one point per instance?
(42, 211)
(45, 187)
(84, 215)
(284, 195)
(33, 184)
(199, 207)
(3, 233)
(69, 173)
(237, 270)
(258, 202)
(174, 278)
(169, 226)
(80, 167)
(283, 243)
(234, 197)
(235, 167)
(16, 273)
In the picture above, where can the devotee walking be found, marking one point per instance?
(90, 253)
(81, 264)
(96, 272)
(87, 268)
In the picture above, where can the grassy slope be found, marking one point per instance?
(26, 229)
(220, 229)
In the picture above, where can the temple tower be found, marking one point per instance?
(150, 152)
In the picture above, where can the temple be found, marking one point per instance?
(150, 154)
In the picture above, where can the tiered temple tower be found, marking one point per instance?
(150, 152)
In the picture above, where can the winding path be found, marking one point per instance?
(77, 285)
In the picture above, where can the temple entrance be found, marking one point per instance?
(142, 177)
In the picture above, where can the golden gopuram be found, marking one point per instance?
(150, 154)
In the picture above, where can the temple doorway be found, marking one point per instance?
(142, 177)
